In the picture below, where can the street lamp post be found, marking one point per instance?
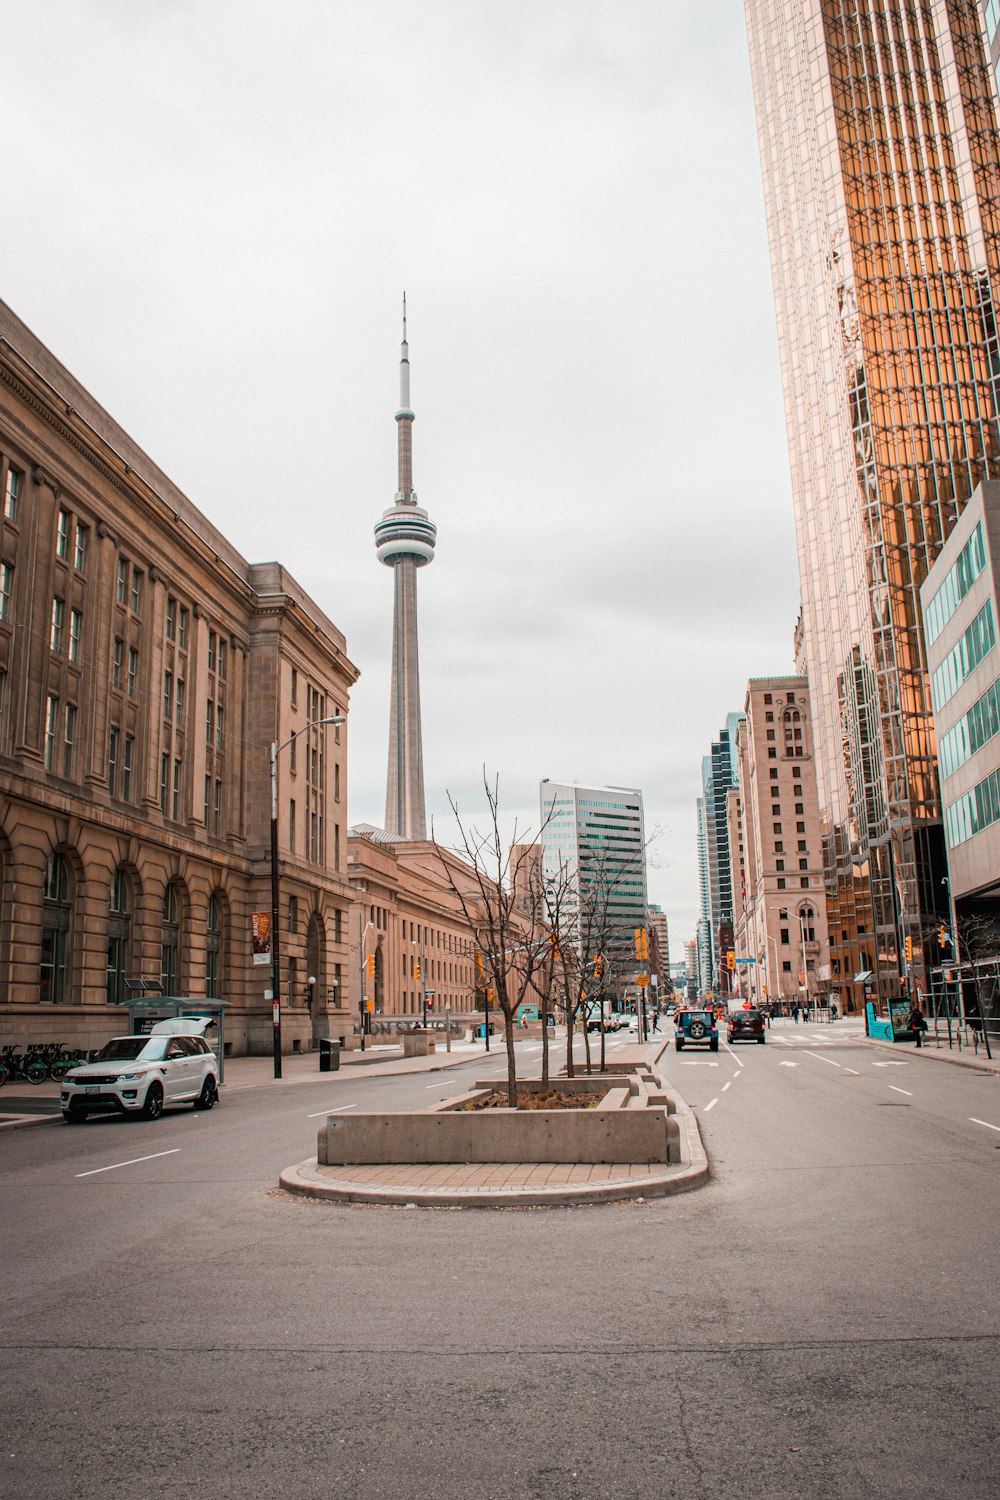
(275, 941)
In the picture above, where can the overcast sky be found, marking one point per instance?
(211, 210)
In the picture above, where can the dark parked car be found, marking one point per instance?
(746, 1026)
(695, 1028)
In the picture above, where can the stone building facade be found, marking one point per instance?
(145, 669)
(409, 921)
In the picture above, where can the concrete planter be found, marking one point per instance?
(630, 1129)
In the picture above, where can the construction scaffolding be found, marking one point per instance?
(963, 1004)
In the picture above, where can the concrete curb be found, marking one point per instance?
(308, 1179)
(305, 1179)
(976, 1064)
(21, 1122)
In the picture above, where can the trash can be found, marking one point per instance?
(329, 1054)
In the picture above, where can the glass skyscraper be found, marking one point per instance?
(879, 145)
(719, 773)
(596, 834)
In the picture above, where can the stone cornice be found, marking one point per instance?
(154, 508)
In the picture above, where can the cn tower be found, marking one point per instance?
(404, 541)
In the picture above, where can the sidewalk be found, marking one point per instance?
(940, 1052)
(22, 1104)
(496, 1184)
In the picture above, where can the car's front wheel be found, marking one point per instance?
(209, 1094)
(152, 1109)
(74, 1116)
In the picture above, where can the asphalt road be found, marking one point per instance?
(820, 1320)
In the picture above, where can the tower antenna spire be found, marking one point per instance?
(404, 421)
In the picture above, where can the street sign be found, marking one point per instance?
(746, 960)
(642, 979)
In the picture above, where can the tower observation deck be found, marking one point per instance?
(404, 540)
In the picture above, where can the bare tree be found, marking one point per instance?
(594, 949)
(485, 880)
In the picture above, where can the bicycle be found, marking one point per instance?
(29, 1067)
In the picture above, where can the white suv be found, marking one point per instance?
(140, 1074)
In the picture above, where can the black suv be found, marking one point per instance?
(746, 1026)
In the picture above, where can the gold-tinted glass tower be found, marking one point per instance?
(404, 541)
(881, 162)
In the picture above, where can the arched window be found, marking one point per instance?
(316, 951)
(55, 932)
(807, 924)
(170, 943)
(792, 721)
(213, 947)
(119, 932)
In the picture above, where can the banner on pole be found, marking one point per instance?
(260, 925)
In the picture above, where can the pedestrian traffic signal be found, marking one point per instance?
(908, 945)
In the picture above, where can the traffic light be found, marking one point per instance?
(370, 965)
(942, 936)
(416, 970)
(908, 945)
(730, 959)
(599, 966)
(480, 966)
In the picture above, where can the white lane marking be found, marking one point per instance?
(823, 1059)
(710, 1105)
(727, 1085)
(907, 1092)
(336, 1111)
(896, 1063)
(852, 1070)
(697, 1062)
(130, 1163)
(787, 1065)
(984, 1122)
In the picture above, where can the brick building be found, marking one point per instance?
(780, 917)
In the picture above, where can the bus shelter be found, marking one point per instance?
(144, 1013)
